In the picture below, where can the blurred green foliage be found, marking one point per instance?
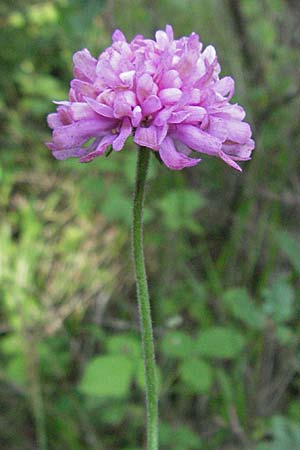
(222, 248)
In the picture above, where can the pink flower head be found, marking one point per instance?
(165, 92)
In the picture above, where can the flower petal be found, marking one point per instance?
(77, 133)
(127, 78)
(100, 150)
(62, 154)
(144, 87)
(239, 152)
(136, 116)
(125, 132)
(170, 95)
(84, 65)
(170, 79)
(118, 36)
(197, 139)
(54, 120)
(151, 105)
(225, 87)
(178, 116)
(106, 74)
(81, 111)
(229, 161)
(174, 159)
(82, 88)
(162, 39)
(123, 104)
(195, 113)
(100, 108)
(151, 136)
(233, 130)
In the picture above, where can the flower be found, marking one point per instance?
(167, 93)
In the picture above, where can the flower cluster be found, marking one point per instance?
(165, 92)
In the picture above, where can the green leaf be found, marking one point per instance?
(113, 413)
(242, 307)
(285, 335)
(177, 344)
(290, 247)
(220, 342)
(294, 410)
(15, 370)
(116, 205)
(178, 207)
(107, 377)
(197, 375)
(226, 387)
(125, 344)
(279, 301)
(179, 437)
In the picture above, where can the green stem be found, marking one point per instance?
(143, 299)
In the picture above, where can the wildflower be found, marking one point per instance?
(167, 93)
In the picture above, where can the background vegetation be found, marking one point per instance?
(222, 248)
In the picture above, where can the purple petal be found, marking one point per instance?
(62, 154)
(229, 161)
(82, 111)
(136, 116)
(169, 31)
(77, 133)
(178, 116)
(239, 152)
(151, 105)
(82, 89)
(100, 150)
(118, 36)
(106, 74)
(151, 136)
(84, 65)
(170, 95)
(174, 159)
(125, 132)
(162, 39)
(123, 104)
(127, 78)
(197, 139)
(100, 108)
(163, 116)
(195, 113)
(229, 111)
(225, 87)
(170, 79)
(232, 130)
(54, 120)
(144, 87)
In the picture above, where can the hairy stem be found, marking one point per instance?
(143, 299)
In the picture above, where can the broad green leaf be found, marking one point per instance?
(197, 375)
(178, 207)
(225, 386)
(177, 344)
(179, 437)
(285, 335)
(15, 370)
(107, 376)
(116, 205)
(220, 342)
(279, 301)
(242, 307)
(113, 413)
(290, 247)
(125, 344)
